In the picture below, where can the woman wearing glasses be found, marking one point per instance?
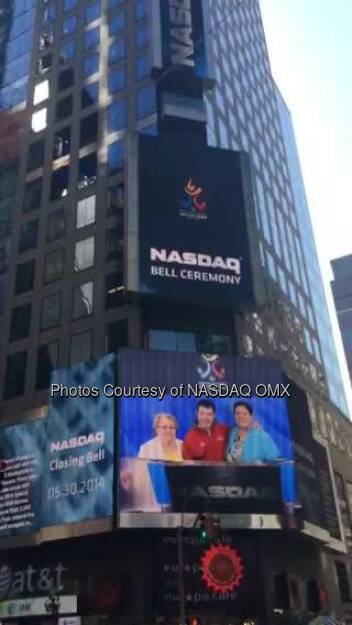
(164, 445)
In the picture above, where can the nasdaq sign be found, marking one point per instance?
(181, 33)
(182, 37)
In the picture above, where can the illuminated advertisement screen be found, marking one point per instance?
(79, 445)
(183, 447)
(183, 43)
(21, 467)
(314, 484)
(195, 210)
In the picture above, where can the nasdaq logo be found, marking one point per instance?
(181, 31)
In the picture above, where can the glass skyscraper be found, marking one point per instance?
(245, 111)
(327, 345)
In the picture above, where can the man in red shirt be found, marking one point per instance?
(206, 440)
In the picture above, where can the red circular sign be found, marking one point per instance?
(222, 568)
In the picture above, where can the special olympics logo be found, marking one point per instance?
(212, 369)
(192, 204)
(5, 580)
(222, 569)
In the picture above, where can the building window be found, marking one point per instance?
(115, 157)
(62, 142)
(116, 116)
(146, 101)
(32, 195)
(90, 65)
(69, 5)
(20, 322)
(142, 67)
(47, 361)
(65, 79)
(25, 277)
(117, 23)
(35, 155)
(67, 52)
(39, 120)
(51, 311)
(114, 3)
(342, 580)
(81, 348)
(63, 108)
(115, 200)
(114, 289)
(49, 12)
(46, 38)
(141, 9)
(116, 336)
(44, 64)
(84, 254)
(56, 225)
(313, 598)
(91, 38)
(41, 92)
(4, 256)
(54, 265)
(92, 11)
(82, 300)
(90, 95)
(142, 36)
(87, 170)
(179, 341)
(281, 595)
(69, 26)
(59, 183)
(116, 80)
(15, 374)
(114, 244)
(116, 52)
(89, 129)
(29, 235)
(86, 212)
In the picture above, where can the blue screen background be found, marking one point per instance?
(136, 418)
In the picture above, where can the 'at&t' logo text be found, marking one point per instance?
(211, 370)
(192, 204)
(31, 580)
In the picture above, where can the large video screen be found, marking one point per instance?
(195, 211)
(79, 445)
(21, 470)
(196, 451)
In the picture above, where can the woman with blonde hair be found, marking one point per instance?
(164, 445)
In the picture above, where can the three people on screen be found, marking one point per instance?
(211, 441)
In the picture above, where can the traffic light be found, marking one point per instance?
(209, 528)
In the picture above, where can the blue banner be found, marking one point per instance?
(80, 446)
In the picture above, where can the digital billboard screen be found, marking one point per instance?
(79, 445)
(21, 470)
(314, 483)
(182, 31)
(195, 214)
(188, 449)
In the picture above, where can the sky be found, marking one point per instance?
(310, 49)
